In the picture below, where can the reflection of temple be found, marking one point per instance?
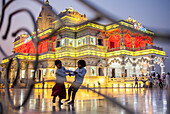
(121, 49)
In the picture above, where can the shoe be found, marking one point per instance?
(67, 100)
(71, 102)
(60, 103)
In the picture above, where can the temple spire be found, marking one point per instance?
(47, 2)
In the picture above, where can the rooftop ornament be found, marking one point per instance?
(136, 24)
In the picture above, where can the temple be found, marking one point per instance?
(119, 50)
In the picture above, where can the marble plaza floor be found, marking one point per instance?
(144, 101)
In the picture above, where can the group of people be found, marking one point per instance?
(165, 80)
(61, 73)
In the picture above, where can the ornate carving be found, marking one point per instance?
(142, 60)
(101, 63)
(114, 60)
(128, 60)
(101, 35)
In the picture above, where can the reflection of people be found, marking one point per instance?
(79, 77)
(59, 88)
(72, 107)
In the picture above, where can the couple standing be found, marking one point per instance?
(59, 88)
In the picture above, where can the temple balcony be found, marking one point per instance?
(135, 51)
(85, 50)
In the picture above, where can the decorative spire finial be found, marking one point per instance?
(47, 2)
(71, 7)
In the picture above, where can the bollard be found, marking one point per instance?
(38, 86)
(43, 84)
(125, 85)
(94, 86)
(47, 86)
(132, 85)
(87, 87)
(112, 86)
(118, 85)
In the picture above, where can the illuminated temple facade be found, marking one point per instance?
(118, 50)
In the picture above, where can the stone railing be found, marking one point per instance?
(136, 49)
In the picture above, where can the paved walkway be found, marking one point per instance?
(140, 100)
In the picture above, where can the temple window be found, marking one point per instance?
(93, 40)
(100, 42)
(71, 43)
(58, 44)
(101, 73)
(112, 45)
(114, 41)
(62, 43)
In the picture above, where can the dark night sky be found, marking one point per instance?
(153, 14)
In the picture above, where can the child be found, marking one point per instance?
(59, 88)
(79, 76)
(136, 82)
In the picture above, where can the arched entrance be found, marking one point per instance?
(128, 70)
(114, 70)
(101, 71)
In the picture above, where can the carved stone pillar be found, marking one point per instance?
(107, 70)
(134, 69)
(163, 66)
(123, 68)
(122, 45)
(152, 65)
(162, 70)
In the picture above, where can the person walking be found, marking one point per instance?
(150, 82)
(160, 83)
(144, 82)
(167, 80)
(59, 88)
(156, 75)
(136, 82)
(79, 77)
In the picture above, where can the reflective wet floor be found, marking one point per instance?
(144, 101)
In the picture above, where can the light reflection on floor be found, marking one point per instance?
(141, 100)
